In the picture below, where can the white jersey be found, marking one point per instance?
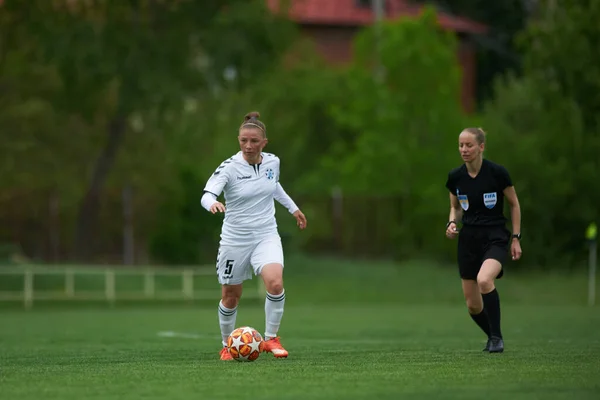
(249, 192)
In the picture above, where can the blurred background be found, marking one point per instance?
(113, 114)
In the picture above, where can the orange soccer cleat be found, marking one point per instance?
(274, 346)
(225, 356)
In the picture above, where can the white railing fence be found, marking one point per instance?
(109, 278)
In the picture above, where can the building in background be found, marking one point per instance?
(332, 25)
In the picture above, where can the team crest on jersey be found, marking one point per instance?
(490, 199)
(270, 174)
(463, 200)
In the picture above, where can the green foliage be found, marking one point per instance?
(205, 133)
(561, 52)
(544, 128)
(73, 71)
(404, 130)
(410, 116)
(246, 41)
(182, 226)
(343, 129)
(380, 132)
(34, 132)
(522, 135)
(495, 51)
(300, 128)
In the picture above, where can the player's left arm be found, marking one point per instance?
(285, 200)
(510, 195)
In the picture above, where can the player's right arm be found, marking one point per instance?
(455, 215)
(209, 202)
(214, 187)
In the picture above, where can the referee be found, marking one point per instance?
(477, 192)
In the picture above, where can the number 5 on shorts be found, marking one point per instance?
(228, 269)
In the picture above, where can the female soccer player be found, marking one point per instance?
(477, 192)
(249, 237)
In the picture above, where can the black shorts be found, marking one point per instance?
(479, 243)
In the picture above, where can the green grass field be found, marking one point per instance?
(354, 331)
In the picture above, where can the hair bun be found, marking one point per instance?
(252, 115)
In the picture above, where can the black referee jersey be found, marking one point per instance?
(481, 197)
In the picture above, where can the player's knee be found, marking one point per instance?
(272, 275)
(230, 302)
(230, 298)
(474, 306)
(485, 283)
(274, 286)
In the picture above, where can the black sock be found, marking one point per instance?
(482, 321)
(491, 302)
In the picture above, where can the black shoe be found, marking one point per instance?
(487, 345)
(496, 345)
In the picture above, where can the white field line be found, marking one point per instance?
(308, 341)
(365, 341)
(199, 336)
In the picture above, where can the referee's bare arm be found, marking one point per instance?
(455, 210)
(455, 216)
(515, 209)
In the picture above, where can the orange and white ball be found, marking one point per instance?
(245, 344)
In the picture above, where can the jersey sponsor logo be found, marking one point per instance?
(239, 178)
(270, 174)
(490, 199)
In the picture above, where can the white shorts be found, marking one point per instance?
(235, 263)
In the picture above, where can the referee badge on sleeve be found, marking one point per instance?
(463, 200)
(490, 199)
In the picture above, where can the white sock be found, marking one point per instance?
(273, 313)
(226, 321)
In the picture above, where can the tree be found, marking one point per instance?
(561, 46)
(402, 131)
(122, 63)
(549, 128)
(528, 136)
(497, 51)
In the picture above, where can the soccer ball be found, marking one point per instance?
(245, 344)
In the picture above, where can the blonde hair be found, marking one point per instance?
(478, 132)
(252, 120)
